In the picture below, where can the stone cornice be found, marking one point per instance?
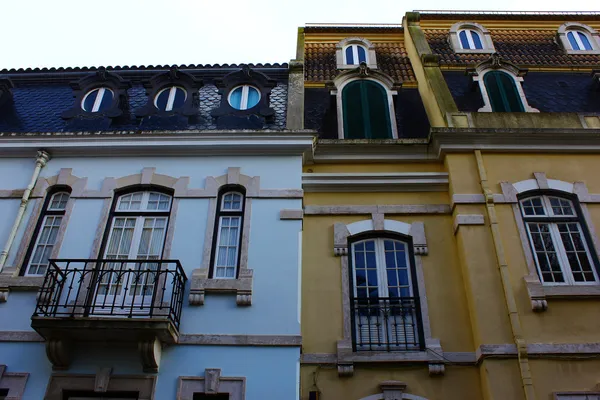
(164, 143)
(376, 182)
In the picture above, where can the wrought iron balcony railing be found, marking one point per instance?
(132, 289)
(387, 324)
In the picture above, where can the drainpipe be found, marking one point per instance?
(40, 162)
(511, 304)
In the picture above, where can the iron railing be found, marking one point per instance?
(387, 324)
(79, 288)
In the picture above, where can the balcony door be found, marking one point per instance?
(385, 301)
(135, 242)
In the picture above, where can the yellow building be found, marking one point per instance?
(451, 208)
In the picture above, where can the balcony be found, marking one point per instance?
(387, 324)
(137, 301)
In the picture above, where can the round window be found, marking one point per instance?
(97, 100)
(244, 97)
(170, 98)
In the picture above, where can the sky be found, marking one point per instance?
(77, 33)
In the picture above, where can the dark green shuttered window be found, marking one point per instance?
(366, 111)
(502, 91)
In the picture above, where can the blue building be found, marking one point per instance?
(150, 224)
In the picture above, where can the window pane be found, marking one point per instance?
(545, 252)
(162, 99)
(107, 100)
(365, 266)
(366, 111)
(89, 100)
(579, 262)
(349, 55)
(586, 42)
(362, 55)
(253, 97)
(533, 206)
(561, 206)
(235, 98)
(502, 92)
(463, 40)
(179, 99)
(476, 40)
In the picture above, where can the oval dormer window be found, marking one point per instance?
(244, 97)
(170, 98)
(97, 100)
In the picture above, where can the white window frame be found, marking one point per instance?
(41, 228)
(222, 211)
(244, 99)
(99, 97)
(557, 241)
(576, 33)
(469, 26)
(172, 92)
(592, 35)
(469, 34)
(144, 202)
(479, 79)
(355, 47)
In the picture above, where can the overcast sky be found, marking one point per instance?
(54, 33)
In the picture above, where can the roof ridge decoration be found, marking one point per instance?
(497, 62)
(363, 71)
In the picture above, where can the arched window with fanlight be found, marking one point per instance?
(559, 240)
(46, 233)
(502, 92)
(366, 110)
(385, 300)
(227, 241)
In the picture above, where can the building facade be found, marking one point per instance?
(139, 208)
(450, 214)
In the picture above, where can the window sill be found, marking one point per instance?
(202, 284)
(539, 293)
(9, 283)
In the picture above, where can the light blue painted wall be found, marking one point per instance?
(270, 372)
(15, 314)
(8, 212)
(81, 230)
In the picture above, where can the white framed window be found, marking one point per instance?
(579, 40)
(170, 98)
(354, 54)
(226, 250)
(97, 100)
(46, 234)
(470, 39)
(385, 305)
(243, 97)
(558, 241)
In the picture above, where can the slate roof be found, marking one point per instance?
(320, 63)
(527, 48)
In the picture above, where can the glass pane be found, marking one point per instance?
(253, 97)
(561, 206)
(349, 56)
(576, 253)
(362, 54)
(365, 268)
(179, 99)
(232, 201)
(397, 268)
(235, 98)
(107, 99)
(58, 201)
(366, 111)
(502, 92)
(89, 100)
(585, 41)
(545, 252)
(464, 42)
(162, 98)
(572, 41)
(476, 40)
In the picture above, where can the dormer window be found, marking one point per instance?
(98, 100)
(244, 97)
(170, 98)
(355, 54)
(470, 37)
(577, 38)
(352, 51)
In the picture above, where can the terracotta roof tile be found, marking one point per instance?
(391, 59)
(521, 47)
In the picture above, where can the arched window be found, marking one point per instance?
(366, 111)
(170, 98)
(502, 92)
(97, 100)
(470, 39)
(558, 240)
(244, 97)
(355, 54)
(227, 241)
(385, 305)
(46, 233)
(579, 40)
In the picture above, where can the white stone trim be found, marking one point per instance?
(340, 47)
(211, 383)
(479, 79)
(590, 32)
(289, 214)
(376, 182)
(484, 34)
(13, 381)
(143, 384)
(467, 219)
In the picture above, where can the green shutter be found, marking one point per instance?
(366, 111)
(502, 92)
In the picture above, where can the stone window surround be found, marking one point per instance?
(538, 292)
(340, 47)
(13, 381)
(211, 383)
(484, 34)
(497, 64)
(102, 382)
(590, 32)
(393, 390)
(360, 73)
(433, 354)
(575, 395)
(10, 279)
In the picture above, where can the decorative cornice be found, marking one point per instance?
(376, 182)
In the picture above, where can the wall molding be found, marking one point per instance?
(400, 209)
(467, 219)
(101, 382)
(289, 214)
(241, 340)
(211, 383)
(376, 182)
